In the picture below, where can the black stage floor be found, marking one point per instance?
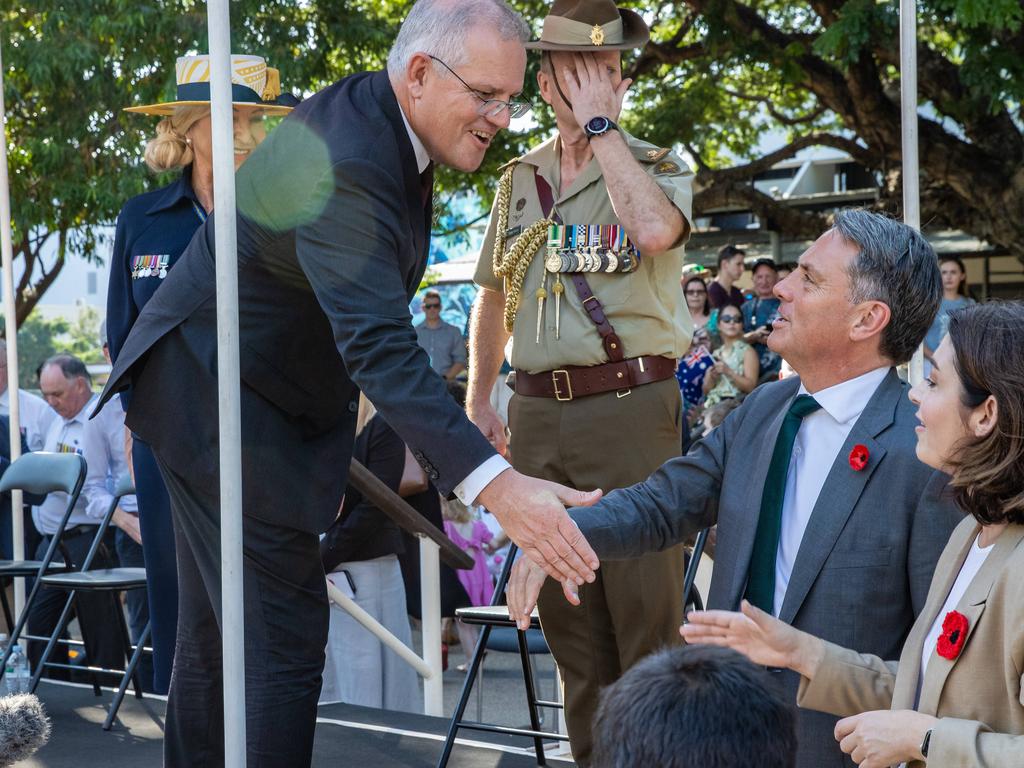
(345, 736)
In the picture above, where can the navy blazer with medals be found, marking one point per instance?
(153, 229)
(332, 244)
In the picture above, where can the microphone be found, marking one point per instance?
(24, 727)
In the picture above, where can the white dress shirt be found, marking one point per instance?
(64, 436)
(478, 479)
(33, 413)
(815, 450)
(103, 449)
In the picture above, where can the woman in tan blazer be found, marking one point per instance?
(966, 708)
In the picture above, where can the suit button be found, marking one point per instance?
(434, 475)
(353, 406)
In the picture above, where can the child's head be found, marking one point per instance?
(456, 511)
(668, 712)
(716, 414)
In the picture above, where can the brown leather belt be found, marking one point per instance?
(575, 381)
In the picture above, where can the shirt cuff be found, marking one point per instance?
(478, 479)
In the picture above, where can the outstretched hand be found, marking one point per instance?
(524, 584)
(532, 513)
(757, 635)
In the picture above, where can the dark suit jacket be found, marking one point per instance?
(332, 243)
(868, 553)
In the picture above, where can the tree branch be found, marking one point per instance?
(748, 171)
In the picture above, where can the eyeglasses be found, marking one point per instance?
(431, 306)
(695, 292)
(730, 319)
(491, 107)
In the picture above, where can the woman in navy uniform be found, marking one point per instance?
(152, 231)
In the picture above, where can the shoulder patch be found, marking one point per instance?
(666, 167)
(654, 155)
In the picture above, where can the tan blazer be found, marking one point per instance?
(977, 696)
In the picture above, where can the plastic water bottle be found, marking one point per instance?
(17, 674)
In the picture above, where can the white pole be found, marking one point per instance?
(382, 633)
(232, 605)
(11, 320)
(908, 105)
(430, 608)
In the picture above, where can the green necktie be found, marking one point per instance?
(761, 578)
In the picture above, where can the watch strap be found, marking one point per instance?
(926, 742)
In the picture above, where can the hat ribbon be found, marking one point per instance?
(562, 31)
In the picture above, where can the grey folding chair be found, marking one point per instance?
(39, 474)
(112, 581)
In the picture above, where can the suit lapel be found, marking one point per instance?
(905, 693)
(840, 494)
(737, 525)
(972, 606)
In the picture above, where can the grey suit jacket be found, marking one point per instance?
(863, 569)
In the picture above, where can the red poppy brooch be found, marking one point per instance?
(954, 634)
(859, 457)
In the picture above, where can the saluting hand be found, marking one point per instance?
(532, 513)
(590, 90)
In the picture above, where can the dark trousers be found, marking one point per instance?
(286, 622)
(161, 561)
(129, 555)
(96, 611)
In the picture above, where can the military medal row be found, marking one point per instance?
(589, 248)
(150, 265)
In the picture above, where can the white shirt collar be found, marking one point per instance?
(82, 415)
(422, 158)
(846, 401)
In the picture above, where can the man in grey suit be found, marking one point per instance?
(825, 516)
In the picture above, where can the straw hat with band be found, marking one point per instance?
(253, 84)
(590, 25)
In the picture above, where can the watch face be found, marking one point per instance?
(598, 125)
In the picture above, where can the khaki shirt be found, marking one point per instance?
(646, 306)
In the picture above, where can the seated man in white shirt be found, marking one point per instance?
(67, 387)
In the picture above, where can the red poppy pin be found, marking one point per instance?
(859, 457)
(954, 635)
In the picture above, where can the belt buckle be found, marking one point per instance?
(568, 385)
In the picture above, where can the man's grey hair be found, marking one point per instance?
(70, 366)
(898, 267)
(440, 27)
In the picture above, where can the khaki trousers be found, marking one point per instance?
(635, 606)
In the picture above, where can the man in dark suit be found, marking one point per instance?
(333, 225)
(825, 516)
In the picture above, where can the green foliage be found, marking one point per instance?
(727, 78)
(40, 338)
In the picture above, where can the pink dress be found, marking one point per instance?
(477, 582)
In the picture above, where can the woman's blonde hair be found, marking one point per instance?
(456, 511)
(169, 150)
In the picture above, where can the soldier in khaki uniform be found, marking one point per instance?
(596, 404)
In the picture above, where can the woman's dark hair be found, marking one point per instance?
(697, 279)
(962, 289)
(988, 347)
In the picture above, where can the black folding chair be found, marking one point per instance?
(40, 473)
(489, 617)
(112, 581)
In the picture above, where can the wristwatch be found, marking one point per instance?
(597, 126)
(925, 743)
